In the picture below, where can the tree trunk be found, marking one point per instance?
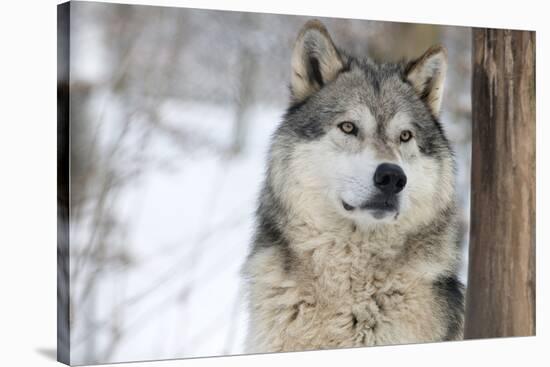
(501, 281)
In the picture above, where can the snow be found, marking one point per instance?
(189, 232)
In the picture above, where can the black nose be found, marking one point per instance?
(390, 178)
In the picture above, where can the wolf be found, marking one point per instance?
(356, 238)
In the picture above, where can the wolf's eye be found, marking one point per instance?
(405, 136)
(348, 127)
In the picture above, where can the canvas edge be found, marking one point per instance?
(63, 193)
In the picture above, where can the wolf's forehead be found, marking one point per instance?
(381, 92)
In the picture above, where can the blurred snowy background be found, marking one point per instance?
(171, 114)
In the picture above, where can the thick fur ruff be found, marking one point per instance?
(336, 290)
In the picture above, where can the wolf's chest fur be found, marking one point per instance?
(338, 294)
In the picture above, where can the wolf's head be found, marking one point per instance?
(361, 140)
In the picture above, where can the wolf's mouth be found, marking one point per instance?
(379, 204)
(388, 205)
(347, 206)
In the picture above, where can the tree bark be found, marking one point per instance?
(500, 299)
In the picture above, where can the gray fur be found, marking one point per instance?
(319, 277)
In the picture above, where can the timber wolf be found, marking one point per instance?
(356, 236)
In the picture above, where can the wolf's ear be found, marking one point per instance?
(315, 60)
(427, 76)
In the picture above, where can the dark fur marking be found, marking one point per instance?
(373, 80)
(432, 142)
(268, 230)
(451, 293)
(428, 86)
(354, 320)
(294, 107)
(314, 71)
(409, 67)
(295, 311)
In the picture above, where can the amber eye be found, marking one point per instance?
(405, 136)
(348, 127)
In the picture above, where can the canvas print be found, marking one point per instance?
(234, 183)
